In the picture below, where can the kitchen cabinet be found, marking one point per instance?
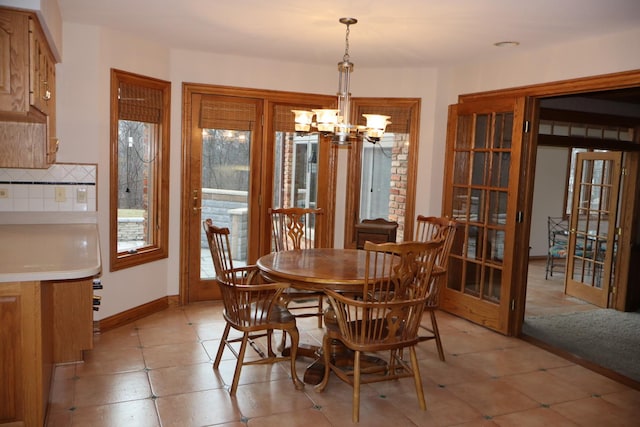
(27, 93)
(46, 311)
(43, 323)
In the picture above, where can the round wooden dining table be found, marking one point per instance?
(318, 269)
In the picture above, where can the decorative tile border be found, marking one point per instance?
(61, 188)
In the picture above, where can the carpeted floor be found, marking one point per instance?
(606, 337)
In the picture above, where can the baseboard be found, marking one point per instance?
(136, 313)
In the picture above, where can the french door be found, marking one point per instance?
(592, 238)
(224, 160)
(482, 179)
(241, 156)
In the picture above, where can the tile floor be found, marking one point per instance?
(158, 372)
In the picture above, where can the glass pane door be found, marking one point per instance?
(224, 139)
(482, 173)
(225, 191)
(592, 239)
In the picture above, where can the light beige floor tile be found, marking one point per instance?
(162, 356)
(594, 411)
(271, 397)
(545, 388)
(492, 397)
(305, 417)
(200, 408)
(139, 413)
(110, 360)
(183, 379)
(176, 334)
(160, 368)
(101, 389)
(537, 417)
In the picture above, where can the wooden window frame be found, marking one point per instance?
(354, 171)
(159, 244)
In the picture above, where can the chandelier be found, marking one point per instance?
(336, 122)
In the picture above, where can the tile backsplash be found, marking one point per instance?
(61, 188)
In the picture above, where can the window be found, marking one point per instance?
(382, 176)
(139, 199)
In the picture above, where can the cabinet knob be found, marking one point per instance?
(47, 93)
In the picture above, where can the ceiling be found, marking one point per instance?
(400, 33)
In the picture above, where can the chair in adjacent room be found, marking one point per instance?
(558, 238)
(255, 311)
(296, 229)
(436, 228)
(384, 319)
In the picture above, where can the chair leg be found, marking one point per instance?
(355, 415)
(546, 269)
(416, 378)
(295, 338)
(436, 334)
(223, 344)
(269, 344)
(239, 362)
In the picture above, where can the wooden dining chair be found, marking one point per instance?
(255, 311)
(436, 228)
(385, 318)
(220, 247)
(297, 229)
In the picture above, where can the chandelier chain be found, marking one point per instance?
(345, 58)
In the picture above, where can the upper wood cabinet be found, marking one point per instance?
(14, 62)
(27, 93)
(42, 71)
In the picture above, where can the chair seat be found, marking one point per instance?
(561, 251)
(558, 251)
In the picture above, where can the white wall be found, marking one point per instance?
(567, 61)
(83, 115)
(83, 130)
(548, 194)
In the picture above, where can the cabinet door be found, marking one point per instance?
(11, 392)
(14, 62)
(42, 70)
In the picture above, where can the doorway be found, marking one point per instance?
(466, 134)
(547, 299)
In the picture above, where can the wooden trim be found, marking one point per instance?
(582, 117)
(137, 313)
(582, 142)
(354, 165)
(612, 81)
(159, 248)
(624, 296)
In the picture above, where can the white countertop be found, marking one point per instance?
(48, 252)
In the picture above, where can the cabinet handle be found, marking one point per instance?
(47, 92)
